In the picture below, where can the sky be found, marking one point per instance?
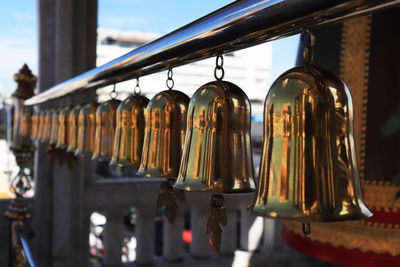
(18, 30)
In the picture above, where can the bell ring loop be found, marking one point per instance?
(137, 89)
(307, 39)
(170, 81)
(219, 73)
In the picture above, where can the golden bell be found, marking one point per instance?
(129, 134)
(62, 133)
(35, 124)
(86, 130)
(54, 127)
(73, 128)
(25, 125)
(47, 126)
(308, 168)
(217, 156)
(164, 134)
(42, 122)
(105, 130)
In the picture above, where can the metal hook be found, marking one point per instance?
(307, 39)
(113, 93)
(137, 89)
(170, 81)
(219, 66)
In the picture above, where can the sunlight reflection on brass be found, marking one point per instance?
(129, 133)
(308, 168)
(54, 127)
(164, 134)
(105, 129)
(47, 126)
(217, 156)
(35, 124)
(62, 135)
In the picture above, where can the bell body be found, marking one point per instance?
(62, 133)
(54, 127)
(217, 155)
(105, 130)
(42, 125)
(308, 168)
(73, 128)
(129, 133)
(25, 127)
(35, 124)
(164, 134)
(86, 130)
(47, 126)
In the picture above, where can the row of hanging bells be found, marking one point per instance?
(308, 169)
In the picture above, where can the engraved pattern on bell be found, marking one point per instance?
(73, 128)
(105, 130)
(164, 134)
(62, 134)
(217, 156)
(86, 129)
(129, 133)
(54, 127)
(308, 168)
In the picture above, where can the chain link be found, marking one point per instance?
(308, 42)
(113, 93)
(219, 67)
(170, 81)
(137, 89)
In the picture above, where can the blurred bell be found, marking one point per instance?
(35, 124)
(105, 129)
(42, 126)
(164, 134)
(129, 134)
(47, 126)
(217, 156)
(26, 123)
(62, 132)
(308, 166)
(54, 127)
(86, 130)
(73, 128)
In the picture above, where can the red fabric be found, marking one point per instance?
(385, 217)
(338, 255)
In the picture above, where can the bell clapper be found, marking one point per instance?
(169, 199)
(306, 229)
(216, 219)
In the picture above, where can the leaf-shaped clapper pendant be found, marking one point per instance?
(169, 199)
(216, 219)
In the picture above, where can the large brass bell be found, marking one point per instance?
(105, 129)
(73, 128)
(35, 124)
(86, 129)
(54, 127)
(62, 133)
(308, 166)
(217, 156)
(164, 134)
(129, 134)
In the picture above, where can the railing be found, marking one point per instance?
(233, 27)
(26, 251)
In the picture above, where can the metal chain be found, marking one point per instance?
(137, 89)
(113, 93)
(306, 229)
(308, 42)
(170, 81)
(219, 67)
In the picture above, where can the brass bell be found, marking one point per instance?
(54, 127)
(217, 156)
(25, 126)
(35, 124)
(164, 134)
(42, 126)
(308, 168)
(129, 134)
(105, 129)
(62, 133)
(47, 126)
(73, 128)
(86, 129)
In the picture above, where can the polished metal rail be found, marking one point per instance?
(236, 26)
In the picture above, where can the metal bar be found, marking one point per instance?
(236, 26)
